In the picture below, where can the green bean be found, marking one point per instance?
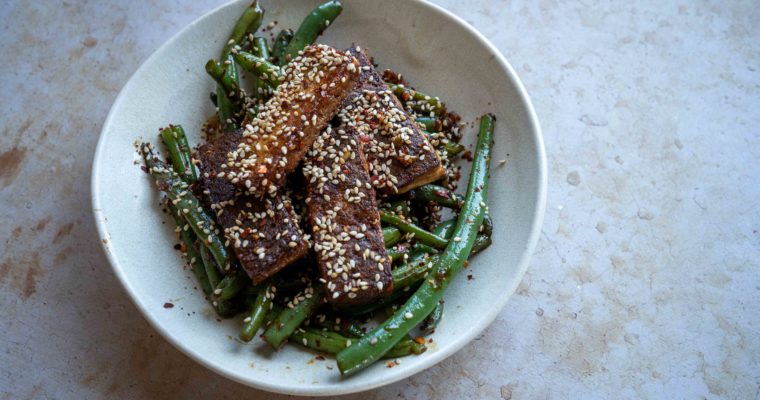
(181, 196)
(225, 308)
(186, 150)
(280, 45)
(342, 325)
(391, 235)
(263, 69)
(445, 228)
(274, 311)
(331, 343)
(225, 110)
(212, 271)
(259, 310)
(290, 318)
(325, 341)
(451, 148)
(232, 284)
(405, 347)
(191, 253)
(234, 94)
(431, 124)
(431, 321)
(180, 163)
(420, 234)
(261, 48)
(413, 271)
(175, 140)
(312, 26)
(423, 102)
(248, 22)
(353, 329)
(377, 342)
(481, 243)
(438, 195)
(261, 87)
(487, 227)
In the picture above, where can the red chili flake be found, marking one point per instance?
(390, 364)
(320, 358)
(430, 340)
(168, 305)
(262, 169)
(183, 247)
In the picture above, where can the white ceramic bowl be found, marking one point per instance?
(436, 51)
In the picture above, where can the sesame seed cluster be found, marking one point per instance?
(311, 89)
(342, 211)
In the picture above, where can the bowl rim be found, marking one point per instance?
(445, 351)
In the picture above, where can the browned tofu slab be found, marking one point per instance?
(312, 88)
(399, 154)
(263, 232)
(345, 224)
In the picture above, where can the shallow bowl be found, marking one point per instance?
(436, 51)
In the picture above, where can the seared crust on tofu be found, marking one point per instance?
(311, 90)
(345, 223)
(263, 232)
(400, 156)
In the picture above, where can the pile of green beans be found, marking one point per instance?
(425, 255)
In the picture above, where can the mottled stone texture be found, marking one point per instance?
(646, 280)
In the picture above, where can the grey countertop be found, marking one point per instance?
(646, 279)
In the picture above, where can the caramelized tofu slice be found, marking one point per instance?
(345, 224)
(311, 90)
(263, 232)
(400, 156)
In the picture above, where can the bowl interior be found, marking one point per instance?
(437, 53)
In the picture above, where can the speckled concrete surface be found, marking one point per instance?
(646, 281)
